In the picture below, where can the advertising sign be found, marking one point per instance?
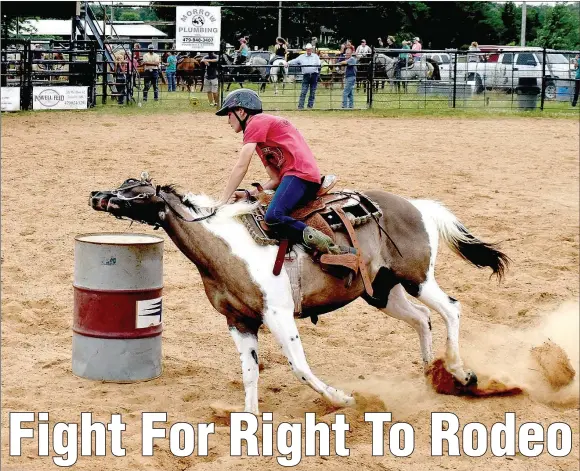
(60, 98)
(198, 28)
(10, 98)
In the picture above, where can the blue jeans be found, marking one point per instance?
(348, 93)
(151, 77)
(170, 80)
(308, 81)
(291, 193)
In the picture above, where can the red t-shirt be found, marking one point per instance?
(281, 145)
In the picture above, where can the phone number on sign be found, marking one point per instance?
(197, 39)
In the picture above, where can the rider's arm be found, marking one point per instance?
(271, 184)
(239, 171)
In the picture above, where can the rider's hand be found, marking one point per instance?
(237, 196)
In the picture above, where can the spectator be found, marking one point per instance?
(314, 42)
(243, 51)
(310, 64)
(577, 81)
(170, 71)
(473, 57)
(416, 47)
(363, 50)
(325, 71)
(346, 45)
(380, 42)
(210, 80)
(349, 79)
(121, 65)
(151, 62)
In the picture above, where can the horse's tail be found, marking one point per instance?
(481, 254)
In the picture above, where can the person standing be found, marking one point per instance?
(349, 79)
(170, 71)
(310, 64)
(121, 66)
(363, 50)
(576, 81)
(416, 47)
(210, 79)
(475, 48)
(151, 62)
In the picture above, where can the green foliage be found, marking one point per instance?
(560, 30)
(511, 19)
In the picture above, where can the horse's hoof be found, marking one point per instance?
(471, 379)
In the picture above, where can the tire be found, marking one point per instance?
(551, 91)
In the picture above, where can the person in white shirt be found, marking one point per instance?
(310, 64)
(151, 62)
(363, 50)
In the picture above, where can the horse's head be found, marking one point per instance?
(135, 199)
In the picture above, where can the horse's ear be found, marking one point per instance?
(145, 177)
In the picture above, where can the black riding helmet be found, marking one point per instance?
(242, 98)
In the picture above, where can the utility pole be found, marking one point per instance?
(280, 19)
(523, 34)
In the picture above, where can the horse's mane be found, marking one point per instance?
(198, 204)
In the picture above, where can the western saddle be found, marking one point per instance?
(328, 212)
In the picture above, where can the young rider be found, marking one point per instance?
(288, 160)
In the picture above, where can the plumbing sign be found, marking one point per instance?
(198, 28)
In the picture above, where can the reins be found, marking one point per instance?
(158, 193)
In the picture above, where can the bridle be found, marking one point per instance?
(143, 196)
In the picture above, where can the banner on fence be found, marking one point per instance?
(10, 100)
(198, 28)
(60, 98)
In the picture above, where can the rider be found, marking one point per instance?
(243, 52)
(280, 50)
(288, 160)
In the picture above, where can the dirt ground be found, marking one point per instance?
(509, 180)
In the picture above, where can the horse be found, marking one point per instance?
(255, 69)
(188, 73)
(418, 70)
(240, 284)
(278, 73)
(381, 69)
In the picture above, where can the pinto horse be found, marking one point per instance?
(238, 279)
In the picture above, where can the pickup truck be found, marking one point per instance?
(502, 68)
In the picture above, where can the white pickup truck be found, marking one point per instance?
(503, 68)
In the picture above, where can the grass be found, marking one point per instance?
(386, 103)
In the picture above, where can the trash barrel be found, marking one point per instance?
(527, 93)
(117, 325)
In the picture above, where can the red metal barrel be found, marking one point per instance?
(117, 325)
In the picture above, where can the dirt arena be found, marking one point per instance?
(512, 180)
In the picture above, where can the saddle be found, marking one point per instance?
(329, 212)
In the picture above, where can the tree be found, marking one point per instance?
(511, 23)
(127, 16)
(560, 30)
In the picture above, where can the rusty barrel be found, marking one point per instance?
(117, 325)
